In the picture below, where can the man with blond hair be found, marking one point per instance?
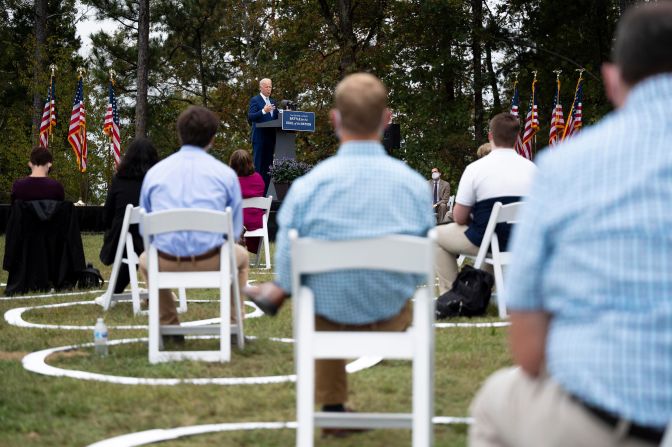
(262, 109)
(348, 196)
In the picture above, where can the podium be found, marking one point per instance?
(286, 125)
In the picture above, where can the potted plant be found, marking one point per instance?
(284, 171)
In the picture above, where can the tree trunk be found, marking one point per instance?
(143, 67)
(39, 62)
(492, 77)
(476, 33)
(348, 42)
(201, 67)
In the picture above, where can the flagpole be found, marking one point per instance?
(111, 148)
(571, 110)
(82, 181)
(554, 118)
(51, 96)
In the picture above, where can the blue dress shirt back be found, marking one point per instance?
(191, 178)
(594, 249)
(359, 193)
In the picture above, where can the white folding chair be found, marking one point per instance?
(131, 217)
(451, 203)
(490, 243)
(263, 203)
(227, 276)
(667, 437)
(406, 254)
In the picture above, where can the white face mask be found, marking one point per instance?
(436, 175)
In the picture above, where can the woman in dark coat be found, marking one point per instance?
(251, 185)
(125, 188)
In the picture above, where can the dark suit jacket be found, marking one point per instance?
(255, 115)
(122, 192)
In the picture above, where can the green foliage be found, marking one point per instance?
(213, 53)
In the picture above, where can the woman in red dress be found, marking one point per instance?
(251, 185)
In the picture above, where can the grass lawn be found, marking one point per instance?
(37, 410)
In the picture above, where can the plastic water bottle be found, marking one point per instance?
(100, 338)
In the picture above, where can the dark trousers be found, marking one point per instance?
(263, 151)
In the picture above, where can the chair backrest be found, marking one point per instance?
(499, 214)
(398, 253)
(451, 203)
(263, 203)
(183, 219)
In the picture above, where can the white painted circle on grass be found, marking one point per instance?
(36, 362)
(162, 435)
(490, 324)
(48, 295)
(15, 317)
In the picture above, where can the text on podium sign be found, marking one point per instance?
(300, 121)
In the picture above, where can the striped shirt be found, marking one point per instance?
(359, 193)
(594, 249)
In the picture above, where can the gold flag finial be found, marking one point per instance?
(580, 70)
(81, 71)
(557, 74)
(112, 75)
(52, 67)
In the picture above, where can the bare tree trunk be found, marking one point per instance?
(201, 67)
(143, 68)
(476, 33)
(39, 63)
(492, 77)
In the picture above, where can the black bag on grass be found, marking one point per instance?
(90, 278)
(469, 296)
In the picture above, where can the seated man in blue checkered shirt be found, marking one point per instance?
(590, 287)
(359, 193)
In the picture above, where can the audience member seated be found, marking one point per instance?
(38, 185)
(347, 200)
(251, 185)
(440, 196)
(125, 188)
(43, 247)
(502, 176)
(192, 178)
(590, 289)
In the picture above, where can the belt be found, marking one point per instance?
(207, 255)
(641, 432)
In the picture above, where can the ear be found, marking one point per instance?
(387, 116)
(614, 86)
(335, 118)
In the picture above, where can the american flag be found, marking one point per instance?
(111, 126)
(77, 131)
(557, 119)
(48, 115)
(531, 125)
(515, 105)
(575, 115)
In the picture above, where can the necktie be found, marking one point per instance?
(436, 191)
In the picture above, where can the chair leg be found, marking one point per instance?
(305, 373)
(182, 294)
(238, 308)
(135, 289)
(423, 377)
(499, 284)
(267, 251)
(154, 329)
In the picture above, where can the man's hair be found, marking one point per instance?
(241, 162)
(40, 156)
(483, 150)
(504, 128)
(197, 126)
(261, 81)
(360, 99)
(643, 44)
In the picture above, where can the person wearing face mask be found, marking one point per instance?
(440, 196)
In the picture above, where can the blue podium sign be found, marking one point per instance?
(301, 121)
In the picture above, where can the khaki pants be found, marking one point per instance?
(331, 384)
(167, 309)
(451, 242)
(513, 409)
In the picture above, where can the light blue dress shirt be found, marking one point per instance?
(191, 178)
(594, 249)
(361, 192)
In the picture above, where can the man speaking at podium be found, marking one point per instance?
(262, 109)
